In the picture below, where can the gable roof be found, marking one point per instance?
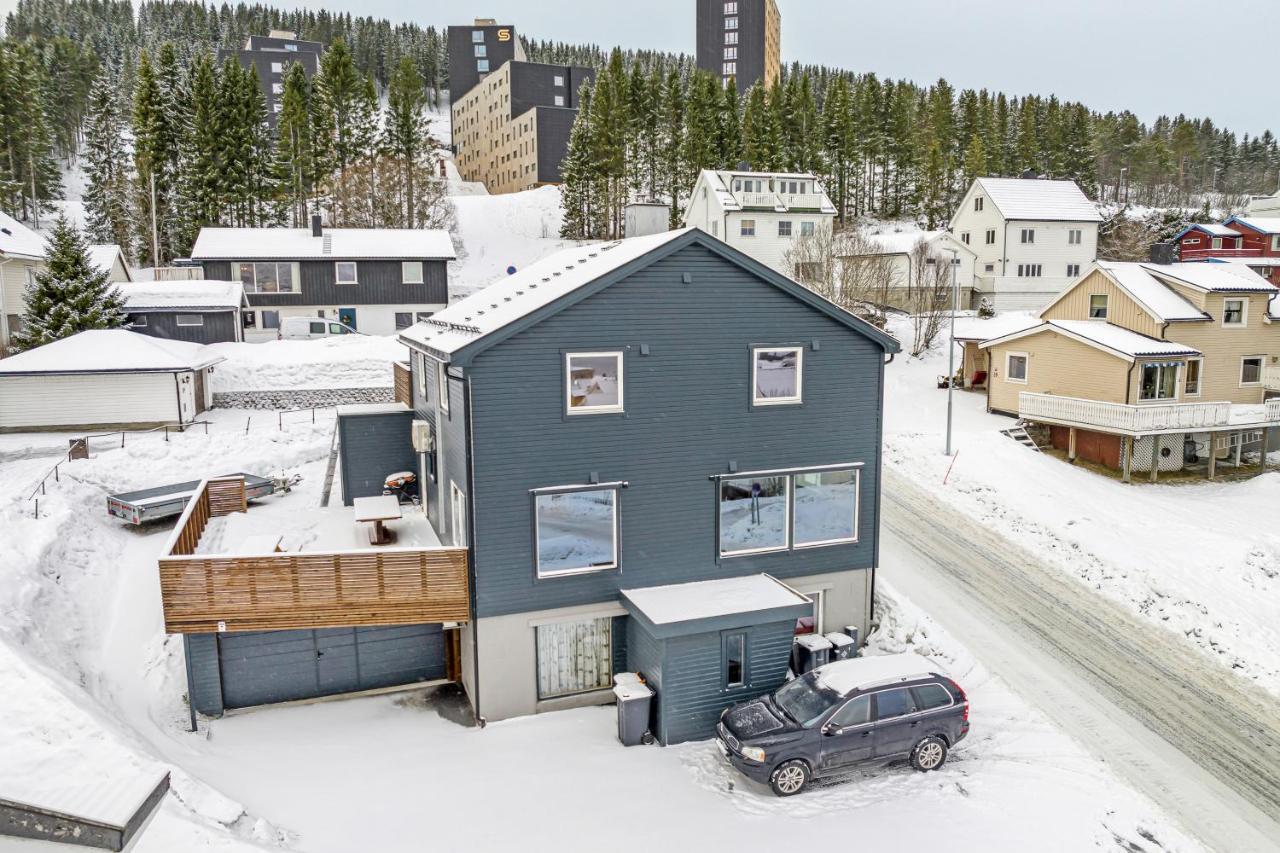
(18, 240)
(1213, 278)
(333, 244)
(1214, 229)
(1101, 335)
(103, 256)
(1037, 199)
(718, 183)
(1158, 299)
(560, 280)
(110, 351)
(188, 295)
(1264, 224)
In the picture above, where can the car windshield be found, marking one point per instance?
(804, 700)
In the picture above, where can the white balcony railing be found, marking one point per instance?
(798, 201)
(1271, 376)
(1159, 417)
(769, 200)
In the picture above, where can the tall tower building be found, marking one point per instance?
(740, 39)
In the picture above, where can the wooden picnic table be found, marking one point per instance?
(378, 510)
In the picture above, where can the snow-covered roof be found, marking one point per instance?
(19, 240)
(103, 256)
(687, 602)
(902, 242)
(335, 243)
(1102, 335)
(1213, 278)
(190, 294)
(1265, 224)
(980, 329)
(1244, 262)
(110, 351)
(1161, 301)
(721, 184)
(113, 802)
(844, 676)
(1036, 199)
(1214, 228)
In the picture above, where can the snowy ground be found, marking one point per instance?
(1201, 559)
(349, 361)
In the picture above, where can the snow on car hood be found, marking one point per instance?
(753, 720)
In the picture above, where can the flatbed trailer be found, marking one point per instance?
(146, 505)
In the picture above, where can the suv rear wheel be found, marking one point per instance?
(929, 754)
(789, 778)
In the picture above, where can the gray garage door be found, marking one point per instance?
(279, 666)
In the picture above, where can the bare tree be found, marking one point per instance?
(847, 268)
(929, 294)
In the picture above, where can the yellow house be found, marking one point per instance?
(1149, 367)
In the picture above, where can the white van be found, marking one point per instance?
(306, 328)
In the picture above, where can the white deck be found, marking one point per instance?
(1145, 419)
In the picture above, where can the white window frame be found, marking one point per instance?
(442, 381)
(729, 69)
(404, 274)
(198, 317)
(1008, 370)
(977, 204)
(294, 277)
(420, 360)
(1028, 236)
(559, 100)
(731, 23)
(1217, 242)
(1244, 312)
(1262, 364)
(1075, 236)
(1186, 377)
(991, 236)
(808, 228)
(789, 544)
(557, 80)
(337, 274)
(1275, 242)
(618, 408)
(742, 227)
(614, 563)
(796, 400)
(139, 321)
(731, 37)
(857, 505)
(731, 7)
(1106, 306)
(277, 68)
(818, 597)
(458, 515)
(784, 227)
(730, 52)
(1177, 382)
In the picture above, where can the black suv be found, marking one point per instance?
(865, 710)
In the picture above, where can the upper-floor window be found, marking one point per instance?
(1098, 306)
(1192, 382)
(477, 36)
(277, 88)
(1075, 236)
(420, 374)
(411, 272)
(731, 37)
(777, 375)
(1159, 381)
(482, 66)
(1251, 370)
(747, 228)
(730, 68)
(277, 67)
(442, 385)
(345, 272)
(1234, 312)
(730, 53)
(1015, 367)
(977, 203)
(776, 511)
(730, 23)
(964, 237)
(593, 383)
(1029, 270)
(575, 530)
(558, 80)
(784, 228)
(806, 229)
(1191, 241)
(731, 7)
(481, 51)
(268, 277)
(1028, 235)
(1073, 270)
(991, 236)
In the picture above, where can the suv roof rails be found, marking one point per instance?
(897, 679)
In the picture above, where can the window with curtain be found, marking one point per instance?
(574, 657)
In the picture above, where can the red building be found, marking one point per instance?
(1249, 240)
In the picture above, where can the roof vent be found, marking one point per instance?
(557, 272)
(7, 231)
(327, 244)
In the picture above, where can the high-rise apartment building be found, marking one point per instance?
(271, 55)
(741, 39)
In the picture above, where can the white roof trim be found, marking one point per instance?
(1171, 349)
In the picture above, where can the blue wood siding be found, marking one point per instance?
(219, 326)
(370, 448)
(204, 691)
(378, 283)
(688, 416)
(451, 445)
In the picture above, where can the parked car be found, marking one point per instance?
(868, 710)
(305, 328)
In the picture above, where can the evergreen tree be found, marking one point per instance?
(673, 132)
(148, 160)
(729, 127)
(106, 166)
(294, 163)
(576, 173)
(70, 295)
(336, 95)
(29, 173)
(405, 136)
(201, 181)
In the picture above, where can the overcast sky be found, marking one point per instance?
(1150, 56)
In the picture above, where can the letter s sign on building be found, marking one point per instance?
(504, 34)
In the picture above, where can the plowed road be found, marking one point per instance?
(1197, 739)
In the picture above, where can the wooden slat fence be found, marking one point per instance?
(403, 381)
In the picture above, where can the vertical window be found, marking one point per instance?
(482, 66)
(345, 272)
(477, 36)
(1194, 368)
(411, 272)
(977, 203)
(1073, 270)
(574, 657)
(753, 515)
(420, 373)
(1217, 242)
(731, 37)
(1015, 367)
(442, 383)
(964, 237)
(730, 68)
(458, 515)
(730, 23)
(784, 228)
(747, 227)
(1233, 312)
(481, 51)
(575, 532)
(1251, 370)
(734, 659)
(1159, 381)
(1028, 235)
(593, 383)
(826, 507)
(776, 375)
(1074, 236)
(811, 624)
(806, 229)
(991, 236)
(731, 8)
(1098, 306)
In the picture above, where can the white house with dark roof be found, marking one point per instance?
(761, 214)
(375, 280)
(1032, 238)
(22, 255)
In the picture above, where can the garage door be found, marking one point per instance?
(280, 666)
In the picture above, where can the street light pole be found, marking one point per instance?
(951, 349)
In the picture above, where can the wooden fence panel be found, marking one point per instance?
(403, 381)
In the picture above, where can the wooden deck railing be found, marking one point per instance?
(402, 380)
(1171, 417)
(203, 593)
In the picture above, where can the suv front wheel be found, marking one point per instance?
(929, 754)
(789, 778)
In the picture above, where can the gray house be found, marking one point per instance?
(202, 312)
(376, 280)
(661, 411)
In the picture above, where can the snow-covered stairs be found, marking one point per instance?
(1019, 433)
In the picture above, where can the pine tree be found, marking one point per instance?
(294, 163)
(29, 173)
(201, 179)
(106, 166)
(336, 93)
(576, 173)
(729, 128)
(405, 137)
(70, 295)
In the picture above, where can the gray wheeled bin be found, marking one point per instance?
(841, 645)
(634, 698)
(812, 651)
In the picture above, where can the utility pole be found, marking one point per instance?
(951, 349)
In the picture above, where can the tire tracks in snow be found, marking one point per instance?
(1198, 739)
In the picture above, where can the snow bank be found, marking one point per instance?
(499, 231)
(349, 361)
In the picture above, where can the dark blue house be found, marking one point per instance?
(652, 412)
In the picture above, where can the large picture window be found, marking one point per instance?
(268, 277)
(777, 511)
(753, 515)
(593, 382)
(826, 507)
(776, 375)
(1159, 381)
(575, 531)
(574, 657)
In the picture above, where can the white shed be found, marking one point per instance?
(105, 378)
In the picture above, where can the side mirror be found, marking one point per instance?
(830, 729)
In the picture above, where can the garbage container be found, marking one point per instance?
(841, 645)
(627, 678)
(813, 651)
(634, 698)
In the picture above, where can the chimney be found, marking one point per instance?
(316, 230)
(1164, 253)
